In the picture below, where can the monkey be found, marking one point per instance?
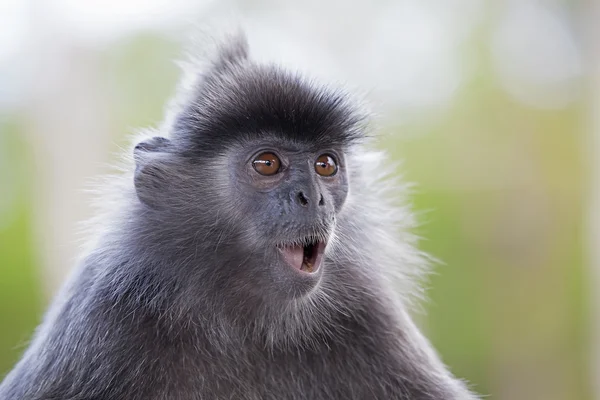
(254, 249)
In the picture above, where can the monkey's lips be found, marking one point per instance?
(306, 258)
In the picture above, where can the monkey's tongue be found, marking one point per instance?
(293, 255)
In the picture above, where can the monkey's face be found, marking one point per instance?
(254, 215)
(284, 198)
(251, 182)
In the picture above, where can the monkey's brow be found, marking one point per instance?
(258, 104)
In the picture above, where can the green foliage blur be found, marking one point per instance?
(500, 192)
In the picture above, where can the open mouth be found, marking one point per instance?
(304, 257)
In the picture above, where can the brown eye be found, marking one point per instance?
(266, 164)
(326, 165)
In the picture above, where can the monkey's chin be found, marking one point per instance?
(305, 258)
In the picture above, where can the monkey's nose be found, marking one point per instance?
(302, 199)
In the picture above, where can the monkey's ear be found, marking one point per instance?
(151, 177)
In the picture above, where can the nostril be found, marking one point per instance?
(322, 201)
(302, 199)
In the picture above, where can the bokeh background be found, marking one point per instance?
(493, 108)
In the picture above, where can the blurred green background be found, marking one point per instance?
(503, 174)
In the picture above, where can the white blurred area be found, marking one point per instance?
(406, 54)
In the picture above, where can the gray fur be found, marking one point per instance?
(181, 294)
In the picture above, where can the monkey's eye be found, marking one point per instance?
(326, 165)
(266, 164)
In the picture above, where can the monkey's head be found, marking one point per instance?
(252, 178)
